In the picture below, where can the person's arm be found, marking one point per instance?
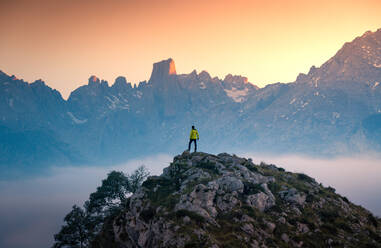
(197, 135)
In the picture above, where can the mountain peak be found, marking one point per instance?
(38, 82)
(163, 69)
(358, 60)
(367, 33)
(235, 79)
(93, 79)
(205, 76)
(121, 83)
(3, 73)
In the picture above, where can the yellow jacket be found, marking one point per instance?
(193, 134)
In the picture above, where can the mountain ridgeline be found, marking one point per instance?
(334, 109)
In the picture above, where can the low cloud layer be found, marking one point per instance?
(358, 178)
(32, 210)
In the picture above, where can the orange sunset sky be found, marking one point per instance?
(63, 42)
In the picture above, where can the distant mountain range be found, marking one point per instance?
(334, 109)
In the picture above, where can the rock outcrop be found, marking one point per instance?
(203, 200)
(161, 70)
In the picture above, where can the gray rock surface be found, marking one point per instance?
(203, 200)
(293, 196)
(260, 201)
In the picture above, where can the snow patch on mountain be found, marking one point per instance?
(115, 102)
(336, 115)
(236, 94)
(138, 94)
(75, 119)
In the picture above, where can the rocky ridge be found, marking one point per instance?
(204, 200)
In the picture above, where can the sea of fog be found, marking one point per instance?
(32, 210)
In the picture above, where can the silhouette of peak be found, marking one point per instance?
(121, 83)
(3, 76)
(235, 79)
(120, 80)
(163, 69)
(205, 76)
(37, 83)
(370, 33)
(367, 33)
(93, 80)
(3, 73)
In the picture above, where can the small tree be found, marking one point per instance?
(110, 194)
(107, 200)
(137, 178)
(74, 232)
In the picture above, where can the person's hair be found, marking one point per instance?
(192, 127)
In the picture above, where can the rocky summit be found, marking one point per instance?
(204, 200)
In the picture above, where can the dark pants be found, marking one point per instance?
(195, 144)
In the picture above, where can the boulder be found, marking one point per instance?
(260, 201)
(293, 196)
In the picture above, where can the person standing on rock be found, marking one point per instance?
(192, 138)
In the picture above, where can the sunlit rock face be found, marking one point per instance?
(334, 109)
(161, 70)
(172, 68)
